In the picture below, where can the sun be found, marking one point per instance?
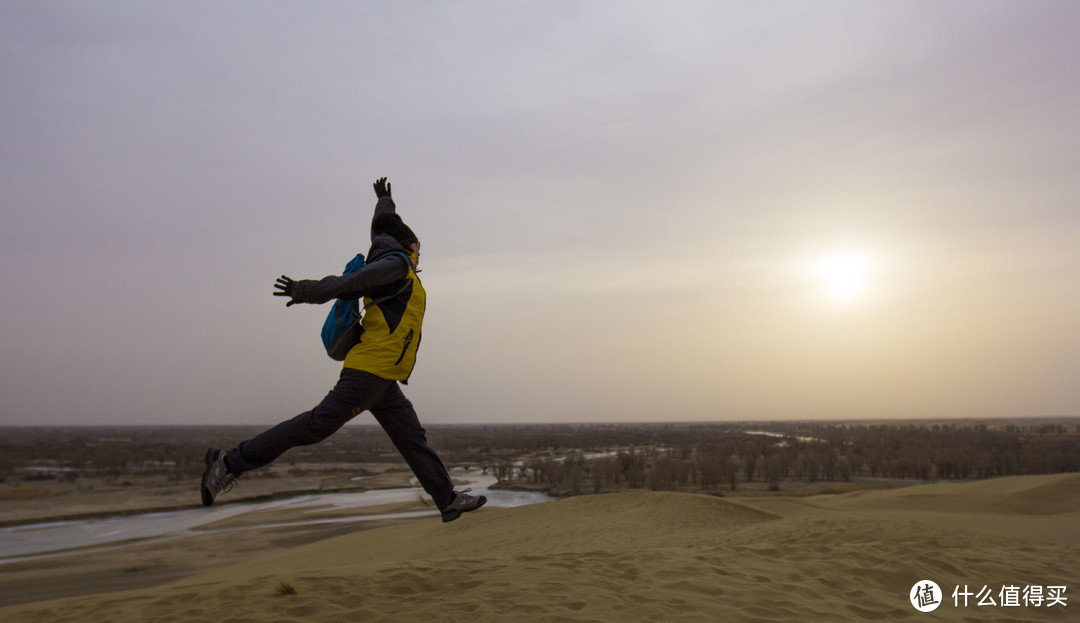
(844, 275)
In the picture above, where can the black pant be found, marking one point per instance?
(354, 393)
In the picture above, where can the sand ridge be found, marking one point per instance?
(1025, 495)
(645, 556)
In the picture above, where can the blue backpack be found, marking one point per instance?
(341, 330)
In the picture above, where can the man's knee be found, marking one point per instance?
(326, 419)
(320, 428)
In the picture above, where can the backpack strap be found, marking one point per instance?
(403, 287)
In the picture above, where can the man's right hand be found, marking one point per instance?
(382, 188)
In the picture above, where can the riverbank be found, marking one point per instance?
(788, 487)
(86, 497)
(56, 559)
(136, 565)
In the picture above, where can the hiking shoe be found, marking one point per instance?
(216, 479)
(463, 503)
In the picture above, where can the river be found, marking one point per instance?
(26, 542)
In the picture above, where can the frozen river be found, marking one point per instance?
(49, 539)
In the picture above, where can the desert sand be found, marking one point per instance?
(646, 556)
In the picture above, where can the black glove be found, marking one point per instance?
(382, 188)
(284, 287)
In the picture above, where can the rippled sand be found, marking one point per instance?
(645, 556)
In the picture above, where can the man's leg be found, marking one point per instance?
(355, 392)
(397, 417)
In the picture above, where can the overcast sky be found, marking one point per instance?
(633, 211)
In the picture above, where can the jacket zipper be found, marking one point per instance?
(408, 340)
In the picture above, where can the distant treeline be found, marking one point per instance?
(597, 457)
(707, 457)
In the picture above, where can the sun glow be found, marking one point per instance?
(844, 275)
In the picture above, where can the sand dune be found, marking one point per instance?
(645, 556)
(1033, 495)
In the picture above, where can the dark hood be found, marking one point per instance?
(382, 244)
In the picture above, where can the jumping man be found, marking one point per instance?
(373, 368)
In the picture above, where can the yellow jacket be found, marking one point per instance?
(394, 302)
(392, 328)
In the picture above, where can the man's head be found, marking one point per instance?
(390, 223)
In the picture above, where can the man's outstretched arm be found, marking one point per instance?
(354, 285)
(382, 272)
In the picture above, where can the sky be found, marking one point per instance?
(629, 211)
